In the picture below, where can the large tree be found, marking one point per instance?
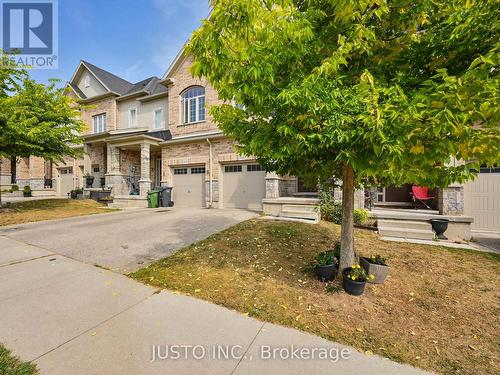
(377, 92)
(35, 119)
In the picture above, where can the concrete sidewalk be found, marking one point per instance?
(72, 318)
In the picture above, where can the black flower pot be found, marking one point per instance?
(89, 181)
(439, 226)
(326, 273)
(354, 288)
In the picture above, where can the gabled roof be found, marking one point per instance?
(110, 81)
(147, 87)
(175, 64)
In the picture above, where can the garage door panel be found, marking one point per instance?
(244, 186)
(189, 186)
(482, 201)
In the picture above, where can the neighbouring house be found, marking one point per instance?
(158, 132)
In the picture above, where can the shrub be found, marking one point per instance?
(329, 209)
(14, 188)
(360, 216)
(27, 189)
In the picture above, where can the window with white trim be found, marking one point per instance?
(180, 171)
(198, 170)
(158, 119)
(233, 168)
(87, 81)
(99, 123)
(132, 117)
(193, 105)
(254, 168)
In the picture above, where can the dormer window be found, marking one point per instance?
(193, 105)
(87, 81)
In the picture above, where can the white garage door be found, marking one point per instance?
(189, 186)
(244, 186)
(66, 181)
(482, 200)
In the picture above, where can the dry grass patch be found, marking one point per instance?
(47, 209)
(438, 310)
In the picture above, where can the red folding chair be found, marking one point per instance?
(421, 195)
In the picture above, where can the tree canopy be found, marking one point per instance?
(35, 119)
(385, 92)
(391, 87)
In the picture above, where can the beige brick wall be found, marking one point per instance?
(5, 165)
(98, 156)
(183, 80)
(196, 153)
(108, 106)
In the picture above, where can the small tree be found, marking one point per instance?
(35, 119)
(378, 92)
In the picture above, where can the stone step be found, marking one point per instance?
(408, 224)
(419, 234)
(299, 214)
(299, 208)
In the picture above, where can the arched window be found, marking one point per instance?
(193, 105)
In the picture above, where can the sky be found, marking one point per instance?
(134, 39)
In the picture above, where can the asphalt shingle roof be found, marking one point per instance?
(113, 82)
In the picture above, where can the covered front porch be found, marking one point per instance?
(128, 166)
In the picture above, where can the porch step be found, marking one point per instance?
(299, 214)
(420, 230)
(299, 208)
(399, 224)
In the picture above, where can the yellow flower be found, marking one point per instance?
(353, 277)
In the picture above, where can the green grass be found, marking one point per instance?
(438, 309)
(10, 365)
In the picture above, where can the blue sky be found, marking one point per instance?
(133, 39)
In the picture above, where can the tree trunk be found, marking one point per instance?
(347, 255)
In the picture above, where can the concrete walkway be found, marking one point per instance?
(73, 318)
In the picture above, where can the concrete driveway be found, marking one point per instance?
(127, 240)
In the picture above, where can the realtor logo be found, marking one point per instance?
(29, 32)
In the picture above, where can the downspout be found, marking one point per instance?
(210, 157)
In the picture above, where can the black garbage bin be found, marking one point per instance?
(166, 197)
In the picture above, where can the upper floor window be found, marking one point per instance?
(193, 105)
(158, 119)
(87, 81)
(132, 118)
(99, 123)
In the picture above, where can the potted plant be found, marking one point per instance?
(376, 266)
(26, 191)
(354, 280)
(73, 194)
(325, 264)
(439, 226)
(89, 181)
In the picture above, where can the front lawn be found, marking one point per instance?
(10, 365)
(438, 309)
(47, 209)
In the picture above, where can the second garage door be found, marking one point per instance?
(244, 186)
(482, 200)
(189, 185)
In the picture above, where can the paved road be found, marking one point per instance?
(490, 241)
(69, 317)
(128, 240)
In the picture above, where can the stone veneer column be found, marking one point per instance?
(272, 185)
(114, 179)
(145, 181)
(451, 200)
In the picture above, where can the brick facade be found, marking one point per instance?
(108, 106)
(182, 81)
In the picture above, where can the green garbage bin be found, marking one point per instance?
(153, 198)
